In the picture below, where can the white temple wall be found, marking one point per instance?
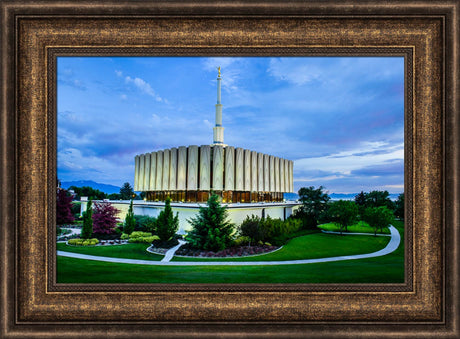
(153, 171)
(218, 168)
(205, 168)
(136, 173)
(159, 177)
(181, 168)
(192, 168)
(247, 170)
(254, 172)
(147, 171)
(173, 169)
(239, 169)
(229, 168)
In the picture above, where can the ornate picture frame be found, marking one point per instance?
(33, 305)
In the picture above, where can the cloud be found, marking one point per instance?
(144, 87)
(119, 73)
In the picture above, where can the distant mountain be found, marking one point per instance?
(97, 186)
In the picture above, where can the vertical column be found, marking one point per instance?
(159, 176)
(147, 172)
(205, 168)
(136, 173)
(260, 172)
(181, 168)
(247, 170)
(287, 186)
(266, 173)
(192, 168)
(173, 169)
(141, 172)
(283, 187)
(239, 169)
(229, 168)
(277, 174)
(153, 171)
(166, 164)
(217, 168)
(272, 173)
(254, 172)
(291, 175)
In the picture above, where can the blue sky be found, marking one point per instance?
(341, 119)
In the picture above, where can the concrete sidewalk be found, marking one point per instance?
(390, 247)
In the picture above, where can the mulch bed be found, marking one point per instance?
(232, 252)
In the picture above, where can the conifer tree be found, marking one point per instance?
(130, 222)
(87, 230)
(211, 229)
(167, 224)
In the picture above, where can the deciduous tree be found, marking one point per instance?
(378, 217)
(63, 208)
(104, 218)
(343, 213)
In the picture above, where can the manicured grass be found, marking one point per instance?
(128, 251)
(360, 227)
(385, 269)
(312, 246)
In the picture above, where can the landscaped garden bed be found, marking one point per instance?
(240, 251)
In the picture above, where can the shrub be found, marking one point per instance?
(124, 236)
(251, 228)
(83, 242)
(146, 240)
(104, 220)
(87, 229)
(242, 241)
(139, 234)
(145, 223)
(167, 224)
(130, 222)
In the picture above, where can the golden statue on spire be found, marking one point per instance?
(218, 69)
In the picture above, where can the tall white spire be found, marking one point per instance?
(218, 130)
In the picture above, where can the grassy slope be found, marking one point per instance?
(360, 227)
(386, 269)
(319, 245)
(128, 251)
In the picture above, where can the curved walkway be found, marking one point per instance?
(390, 247)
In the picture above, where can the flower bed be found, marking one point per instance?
(240, 251)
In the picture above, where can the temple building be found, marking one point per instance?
(191, 173)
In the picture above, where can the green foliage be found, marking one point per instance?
(87, 191)
(378, 198)
(83, 242)
(242, 241)
(211, 229)
(344, 213)
(378, 217)
(124, 236)
(130, 222)
(76, 208)
(126, 191)
(270, 230)
(167, 224)
(142, 237)
(399, 206)
(145, 223)
(87, 229)
(314, 205)
(251, 229)
(114, 196)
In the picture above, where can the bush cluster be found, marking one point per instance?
(275, 231)
(140, 237)
(83, 242)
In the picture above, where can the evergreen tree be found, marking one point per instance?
(126, 191)
(399, 206)
(130, 222)
(211, 230)
(87, 230)
(63, 208)
(167, 224)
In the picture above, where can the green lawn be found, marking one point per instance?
(385, 269)
(128, 251)
(312, 246)
(360, 227)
